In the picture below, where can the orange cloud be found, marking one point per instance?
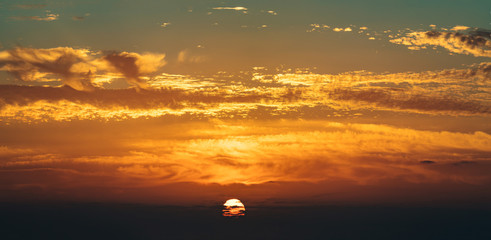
(292, 95)
(186, 56)
(260, 152)
(231, 8)
(48, 18)
(29, 64)
(459, 28)
(78, 67)
(476, 43)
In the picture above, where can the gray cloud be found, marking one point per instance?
(126, 64)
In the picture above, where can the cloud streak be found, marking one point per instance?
(231, 8)
(48, 18)
(417, 102)
(476, 43)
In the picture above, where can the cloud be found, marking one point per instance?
(427, 162)
(231, 8)
(476, 43)
(6, 151)
(228, 152)
(187, 56)
(48, 18)
(459, 28)
(29, 103)
(78, 18)
(126, 64)
(348, 29)
(134, 65)
(77, 67)
(30, 6)
(387, 98)
(318, 27)
(450, 92)
(29, 64)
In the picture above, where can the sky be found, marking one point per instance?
(271, 102)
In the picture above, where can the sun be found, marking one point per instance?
(233, 208)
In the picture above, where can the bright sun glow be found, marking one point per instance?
(233, 208)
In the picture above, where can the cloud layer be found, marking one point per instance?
(330, 156)
(259, 95)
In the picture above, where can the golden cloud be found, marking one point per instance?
(260, 152)
(476, 43)
(78, 67)
(48, 18)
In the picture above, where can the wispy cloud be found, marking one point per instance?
(165, 24)
(231, 8)
(187, 56)
(225, 152)
(76, 67)
(449, 92)
(48, 18)
(476, 43)
(384, 98)
(134, 65)
(80, 18)
(28, 64)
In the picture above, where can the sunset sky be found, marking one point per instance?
(275, 102)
